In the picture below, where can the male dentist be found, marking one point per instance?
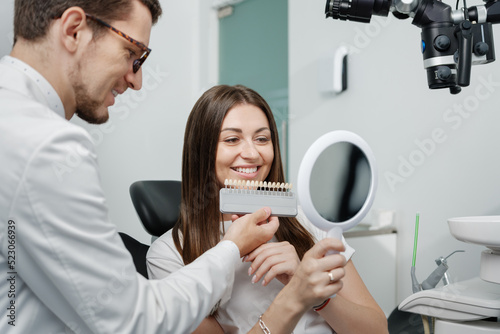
(64, 267)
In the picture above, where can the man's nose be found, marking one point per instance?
(134, 80)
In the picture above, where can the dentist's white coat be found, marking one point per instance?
(63, 267)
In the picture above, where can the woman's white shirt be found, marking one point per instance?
(244, 302)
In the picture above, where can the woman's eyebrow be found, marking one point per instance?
(240, 131)
(262, 129)
(232, 129)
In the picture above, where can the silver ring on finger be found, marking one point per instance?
(332, 279)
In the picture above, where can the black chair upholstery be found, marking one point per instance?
(138, 251)
(404, 322)
(157, 204)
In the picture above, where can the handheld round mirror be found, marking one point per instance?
(336, 182)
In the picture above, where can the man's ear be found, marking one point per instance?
(72, 27)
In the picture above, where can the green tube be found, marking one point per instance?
(415, 241)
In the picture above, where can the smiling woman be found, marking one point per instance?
(245, 149)
(231, 134)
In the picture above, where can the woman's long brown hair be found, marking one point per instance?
(199, 221)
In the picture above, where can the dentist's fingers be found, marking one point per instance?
(252, 230)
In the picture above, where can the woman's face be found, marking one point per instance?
(245, 150)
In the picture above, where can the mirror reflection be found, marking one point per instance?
(340, 182)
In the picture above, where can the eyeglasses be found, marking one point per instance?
(146, 51)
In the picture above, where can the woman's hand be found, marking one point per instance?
(276, 260)
(312, 282)
(310, 285)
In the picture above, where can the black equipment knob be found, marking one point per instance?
(443, 73)
(442, 43)
(455, 90)
(481, 48)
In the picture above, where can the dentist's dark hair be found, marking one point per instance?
(32, 18)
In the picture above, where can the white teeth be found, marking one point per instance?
(114, 92)
(246, 170)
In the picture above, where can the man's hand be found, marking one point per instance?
(250, 231)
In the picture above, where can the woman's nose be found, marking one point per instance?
(249, 151)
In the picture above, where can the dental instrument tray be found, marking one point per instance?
(242, 197)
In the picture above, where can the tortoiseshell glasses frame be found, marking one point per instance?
(146, 51)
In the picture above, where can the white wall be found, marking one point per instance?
(6, 28)
(389, 105)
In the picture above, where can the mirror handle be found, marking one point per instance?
(336, 233)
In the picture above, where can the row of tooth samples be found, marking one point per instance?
(263, 185)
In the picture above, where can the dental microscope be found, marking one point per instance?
(452, 40)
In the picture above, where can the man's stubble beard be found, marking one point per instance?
(86, 106)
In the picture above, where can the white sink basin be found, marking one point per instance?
(481, 230)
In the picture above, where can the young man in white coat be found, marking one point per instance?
(68, 269)
(65, 267)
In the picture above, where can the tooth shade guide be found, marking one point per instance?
(258, 187)
(245, 196)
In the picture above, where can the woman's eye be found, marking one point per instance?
(263, 140)
(231, 140)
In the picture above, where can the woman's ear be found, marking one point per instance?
(73, 24)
